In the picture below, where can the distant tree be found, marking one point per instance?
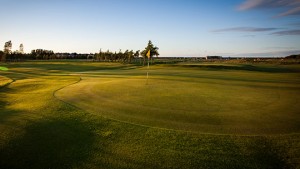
(2, 56)
(119, 55)
(107, 55)
(293, 57)
(136, 55)
(33, 54)
(7, 47)
(130, 56)
(153, 51)
(42, 54)
(125, 56)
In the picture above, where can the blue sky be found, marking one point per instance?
(177, 27)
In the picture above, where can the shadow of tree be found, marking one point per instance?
(4, 112)
(61, 143)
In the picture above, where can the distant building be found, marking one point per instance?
(213, 57)
(90, 56)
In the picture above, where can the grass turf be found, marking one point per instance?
(222, 102)
(40, 131)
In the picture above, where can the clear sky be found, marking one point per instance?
(177, 27)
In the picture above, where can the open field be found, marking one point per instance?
(106, 115)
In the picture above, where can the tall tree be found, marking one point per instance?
(130, 56)
(2, 56)
(153, 51)
(7, 47)
(136, 54)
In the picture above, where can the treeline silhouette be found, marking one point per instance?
(41, 54)
(129, 56)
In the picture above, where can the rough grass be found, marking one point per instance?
(37, 130)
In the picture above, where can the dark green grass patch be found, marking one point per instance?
(49, 143)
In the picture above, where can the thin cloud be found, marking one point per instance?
(292, 7)
(244, 29)
(294, 11)
(249, 36)
(289, 32)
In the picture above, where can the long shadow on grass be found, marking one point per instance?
(62, 143)
(4, 112)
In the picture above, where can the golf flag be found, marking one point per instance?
(148, 54)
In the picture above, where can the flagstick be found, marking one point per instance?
(148, 71)
(148, 55)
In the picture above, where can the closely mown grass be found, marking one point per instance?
(223, 102)
(37, 130)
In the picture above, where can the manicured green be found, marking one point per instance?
(106, 115)
(219, 102)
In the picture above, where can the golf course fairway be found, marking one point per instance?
(108, 115)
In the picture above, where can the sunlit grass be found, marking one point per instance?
(37, 130)
(4, 80)
(205, 102)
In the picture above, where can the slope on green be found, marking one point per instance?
(222, 102)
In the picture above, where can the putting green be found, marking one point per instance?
(188, 103)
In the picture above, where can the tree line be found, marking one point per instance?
(128, 56)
